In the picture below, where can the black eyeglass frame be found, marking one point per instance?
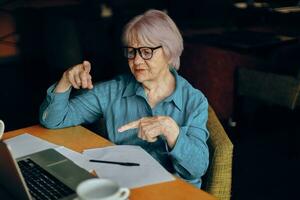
(139, 51)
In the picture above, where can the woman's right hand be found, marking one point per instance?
(77, 76)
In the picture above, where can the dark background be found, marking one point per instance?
(39, 40)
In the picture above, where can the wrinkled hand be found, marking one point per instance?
(151, 127)
(77, 76)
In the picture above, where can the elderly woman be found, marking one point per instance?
(152, 107)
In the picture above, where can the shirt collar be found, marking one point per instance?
(136, 88)
(176, 96)
(133, 88)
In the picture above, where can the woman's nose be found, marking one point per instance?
(138, 59)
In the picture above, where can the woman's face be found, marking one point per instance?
(148, 70)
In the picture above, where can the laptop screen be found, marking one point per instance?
(10, 175)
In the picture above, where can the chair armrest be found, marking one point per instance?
(219, 174)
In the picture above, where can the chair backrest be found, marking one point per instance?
(218, 178)
(270, 88)
(278, 85)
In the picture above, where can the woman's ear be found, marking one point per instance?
(168, 56)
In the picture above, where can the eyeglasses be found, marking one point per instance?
(145, 52)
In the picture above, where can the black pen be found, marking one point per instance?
(116, 163)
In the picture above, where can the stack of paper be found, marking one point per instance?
(148, 172)
(26, 144)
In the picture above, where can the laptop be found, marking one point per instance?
(43, 175)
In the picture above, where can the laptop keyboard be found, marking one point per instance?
(41, 184)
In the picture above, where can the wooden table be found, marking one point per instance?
(79, 138)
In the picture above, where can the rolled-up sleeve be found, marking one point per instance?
(59, 111)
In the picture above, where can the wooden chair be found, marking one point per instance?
(218, 178)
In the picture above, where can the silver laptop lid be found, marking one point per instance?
(10, 175)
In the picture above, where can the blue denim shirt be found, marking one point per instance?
(123, 100)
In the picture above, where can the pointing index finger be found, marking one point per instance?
(86, 66)
(130, 125)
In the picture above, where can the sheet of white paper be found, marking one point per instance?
(26, 144)
(149, 171)
(76, 157)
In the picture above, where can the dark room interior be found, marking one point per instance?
(244, 55)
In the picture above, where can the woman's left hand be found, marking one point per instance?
(151, 127)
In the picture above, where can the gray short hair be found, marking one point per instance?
(155, 27)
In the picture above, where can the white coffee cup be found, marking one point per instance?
(101, 189)
(1, 128)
